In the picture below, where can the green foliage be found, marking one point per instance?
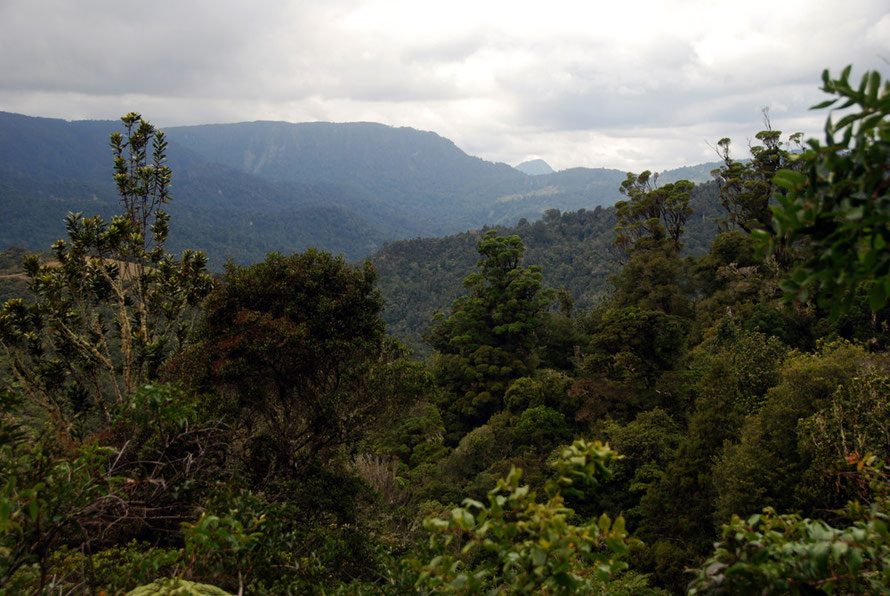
(829, 406)
(766, 467)
(542, 427)
(490, 339)
(573, 249)
(675, 508)
(855, 421)
(46, 499)
(516, 545)
(114, 306)
(291, 343)
(480, 448)
(247, 541)
(652, 211)
(838, 200)
(750, 362)
(114, 569)
(746, 187)
(635, 345)
(652, 279)
(770, 553)
(63, 507)
(416, 438)
(547, 387)
(728, 275)
(647, 445)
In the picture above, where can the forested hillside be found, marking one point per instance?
(573, 249)
(710, 414)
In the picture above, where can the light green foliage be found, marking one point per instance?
(546, 388)
(490, 339)
(177, 587)
(481, 447)
(855, 421)
(222, 545)
(62, 507)
(114, 569)
(114, 306)
(731, 279)
(750, 362)
(839, 200)
(516, 545)
(47, 498)
(785, 554)
(261, 545)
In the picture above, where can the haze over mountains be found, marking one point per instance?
(243, 190)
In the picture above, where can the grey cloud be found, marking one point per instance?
(502, 86)
(105, 48)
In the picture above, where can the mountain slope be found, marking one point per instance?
(242, 190)
(416, 173)
(574, 249)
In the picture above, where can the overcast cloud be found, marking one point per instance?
(624, 84)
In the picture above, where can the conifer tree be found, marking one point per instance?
(491, 336)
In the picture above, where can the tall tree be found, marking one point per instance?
(290, 342)
(114, 306)
(651, 210)
(491, 336)
(746, 187)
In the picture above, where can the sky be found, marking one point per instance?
(622, 84)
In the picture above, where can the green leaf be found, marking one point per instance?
(604, 523)
(789, 179)
(824, 104)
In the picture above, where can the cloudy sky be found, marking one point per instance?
(626, 84)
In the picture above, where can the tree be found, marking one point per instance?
(290, 342)
(651, 210)
(114, 306)
(746, 187)
(635, 345)
(838, 205)
(491, 336)
(838, 200)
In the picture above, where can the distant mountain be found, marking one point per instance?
(418, 175)
(49, 167)
(242, 190)
(535, 167)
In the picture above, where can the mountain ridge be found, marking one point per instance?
(343, 187)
